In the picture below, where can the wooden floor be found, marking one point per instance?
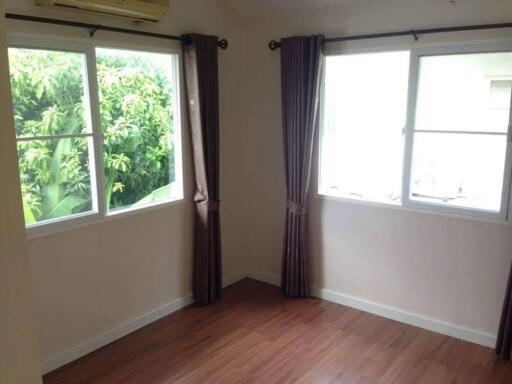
(254, 335)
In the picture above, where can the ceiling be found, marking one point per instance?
(251, 8)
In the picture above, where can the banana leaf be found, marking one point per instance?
(68, 206)
(29, 215)
(155, 196)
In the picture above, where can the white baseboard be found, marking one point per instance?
(234, 278)
(420, 321)
(113, 334)
(402, 316)
(264, 277)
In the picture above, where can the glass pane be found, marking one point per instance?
(55, 178)
(136, 105)
(469, 92)
(462, 170)
(363, 118)
(49, 92)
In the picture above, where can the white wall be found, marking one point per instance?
(19, 358)
(449, 269)
(92, 279)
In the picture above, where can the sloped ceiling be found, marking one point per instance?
(251, 8)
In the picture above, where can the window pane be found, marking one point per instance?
(137, 100)
(463, 170)
(55, 178)
(363, 118)
(48, 92)
(469, 92)
(50, 98)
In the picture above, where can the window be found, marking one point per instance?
(364, 111)
(460, 130)
(139, 140)
(54, 135)
(455, 155)
(95, 137)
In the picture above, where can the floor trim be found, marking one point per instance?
(116, 333)
(113, 334)
(234, 278)
(402, 316)
(264, 277)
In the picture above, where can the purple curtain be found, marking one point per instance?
(202, 84)
(301, 63)
(504, 341)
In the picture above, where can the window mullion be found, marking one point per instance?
(96, 129)
(461, 132)
(409, 126)
(506, 200)
(54, 137)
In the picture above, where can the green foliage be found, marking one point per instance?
(156, 195)
(136, 118)
(47, 89)
(48, 97)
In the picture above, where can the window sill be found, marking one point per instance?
(94, 218)
(401, 207)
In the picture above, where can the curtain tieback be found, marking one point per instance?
(297, 209)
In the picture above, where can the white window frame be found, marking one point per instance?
(416, 55)
(406, 203)
(98, 212)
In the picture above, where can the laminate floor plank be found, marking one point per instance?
(254, 335)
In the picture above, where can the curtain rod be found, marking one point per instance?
(93, 28)
(273, 45)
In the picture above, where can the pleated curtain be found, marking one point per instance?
(301, 63)
(202, 85)
(504, 340)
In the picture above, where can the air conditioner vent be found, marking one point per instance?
(141, 10)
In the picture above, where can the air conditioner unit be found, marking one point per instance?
(139, 10)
